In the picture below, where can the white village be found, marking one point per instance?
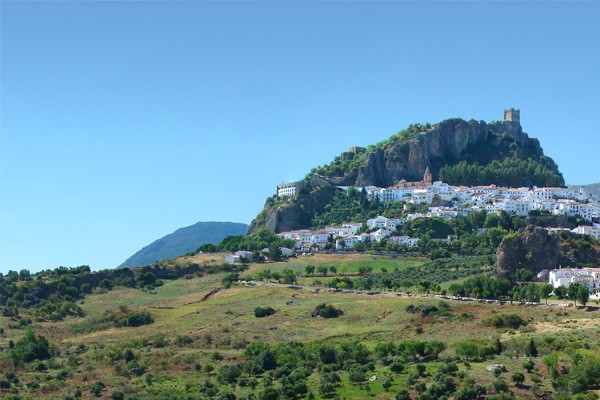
(462, 201)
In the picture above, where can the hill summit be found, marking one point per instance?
(184, 240)
(455, 151)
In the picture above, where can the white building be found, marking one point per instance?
(589, 277)
(405, 240)
(286, 189)
(237, 257)
(587, 230)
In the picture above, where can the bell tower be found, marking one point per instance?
(427, 177)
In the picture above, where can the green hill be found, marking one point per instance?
(456, 151)
(185, 240)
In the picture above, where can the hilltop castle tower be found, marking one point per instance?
(512, 115)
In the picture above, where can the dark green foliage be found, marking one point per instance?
(327, 311)
(436, 271)
(255, 242)
(260, 312)
(508, 173)
(117, 395)
(137, 319)
(353, 205)
(485, 287)
(113, 318)
(513, 321)
(500, 385)
(30, 348)
(97, 388)
(229, 373)
(474, 350)
(518, 378)
(470, 393)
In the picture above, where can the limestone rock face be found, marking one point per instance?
(296, 214)
(445, 143)
(385, 167)
(533, 248)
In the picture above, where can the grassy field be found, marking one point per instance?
(345, 263)
(196, 318)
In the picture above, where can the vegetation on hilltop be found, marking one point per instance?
(499, 160)
(340, 167)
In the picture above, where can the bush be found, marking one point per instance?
(30, 348)
(97, 388)
(326, 311)
(260, 312)
(506, 321)
(137, 319)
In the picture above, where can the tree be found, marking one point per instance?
(322, 270)
(518, 378)
(333, 269)
(531, 349)
(275, 252)
(583, 295)
(561, 292)
(289, 277)
(524, 275)
(310, 269)
(573, 291)
(545, 291)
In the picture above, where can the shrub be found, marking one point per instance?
(506, 321)
(30, 348)
(137, 319)
(260, 312)
(97, 388)
(326, 311)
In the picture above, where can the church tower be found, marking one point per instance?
(427, 177)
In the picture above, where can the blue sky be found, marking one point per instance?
(123, 121)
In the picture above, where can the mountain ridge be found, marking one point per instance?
(184, 240)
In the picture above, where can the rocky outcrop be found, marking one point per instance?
(400, 157)
(533, 248)
(280, 215)
(434, 147)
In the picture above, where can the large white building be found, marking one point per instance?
(589, 277)
(286, 189)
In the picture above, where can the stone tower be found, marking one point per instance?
(512, 115)
(427, 177)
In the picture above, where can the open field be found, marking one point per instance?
(196, 318)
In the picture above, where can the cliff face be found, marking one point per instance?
(296, 213)
(434, 147)
(533, 248)
(404, 156)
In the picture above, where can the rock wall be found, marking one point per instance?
(448, 139)
(313, 197)
(533, 248)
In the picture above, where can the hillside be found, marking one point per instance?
(456, 151)
(193, 330)
(593, 188)
(185, 240)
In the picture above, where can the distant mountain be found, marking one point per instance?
(592, 188)
(185, 240)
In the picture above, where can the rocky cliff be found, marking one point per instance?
(406, 156)
(447, 142)
(533, 248)
(287, 214)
